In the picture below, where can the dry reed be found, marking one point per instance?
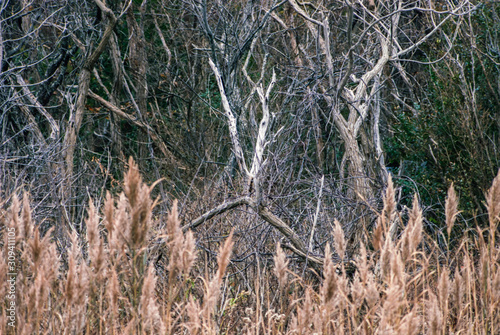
(110, 280)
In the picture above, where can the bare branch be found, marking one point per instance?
(273, 220)
(316, 214)
(303, 13)
(145, 127)
(32, 125)
(233, 130)
(34, 102)
(263, 126)
(217, 211)
(436, 28)
(162, 39)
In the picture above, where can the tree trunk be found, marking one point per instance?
(76, 116)
(138, 65)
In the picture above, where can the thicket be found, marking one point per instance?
(273, 122)
(133, 274)
(450, 133)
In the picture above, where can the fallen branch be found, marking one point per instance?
(315, 260)
(277, 223)
(218, 210)
(298, 247)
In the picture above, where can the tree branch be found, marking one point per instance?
(233, 130)
(54, 127)
(299, 247)
(218, 210)
(145, 127)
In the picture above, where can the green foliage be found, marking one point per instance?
(453, 135)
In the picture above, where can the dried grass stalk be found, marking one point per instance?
(281, 265)
(114, 290)
(493, 201)
(339, 239)
(329, 287)
(451, 209)
(148, 308)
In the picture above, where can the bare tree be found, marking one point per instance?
(40, 42)
(278, 107)
(229, 42)
(355, 54)
(76, 115)
(35, 52)
(341, 65)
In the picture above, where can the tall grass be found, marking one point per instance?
(109, 281)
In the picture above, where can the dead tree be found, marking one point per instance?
(352, 63)
(354, 77)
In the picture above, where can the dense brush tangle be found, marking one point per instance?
(109, 281)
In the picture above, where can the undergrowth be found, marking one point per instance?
(109, 281)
